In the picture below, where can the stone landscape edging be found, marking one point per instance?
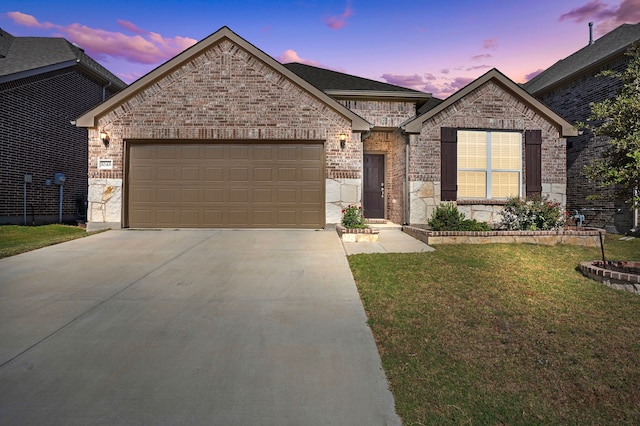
(588, 237)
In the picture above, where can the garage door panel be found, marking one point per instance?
(263, 195)
(239, 174)
(311, 174)
(166, 173)
(214, 174)
(213, 195)
(190, 173)
(286, 174)
(226, 185)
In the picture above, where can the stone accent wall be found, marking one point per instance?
(340, 193)
(382, 113)
(488, 107)
(586, 237)
(392, 145)
(105, 204)
(37, 138)
(572, 101)
(226, 94)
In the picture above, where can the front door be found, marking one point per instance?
(373, 196)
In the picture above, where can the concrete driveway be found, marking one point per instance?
(213, 327)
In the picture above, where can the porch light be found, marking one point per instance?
(343, 140)
(105, 137)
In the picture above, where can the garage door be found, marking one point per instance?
(278, 185)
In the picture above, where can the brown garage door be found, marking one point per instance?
(278, 185)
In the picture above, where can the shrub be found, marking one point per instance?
(446, 217)
(531, 214)
(353, 217)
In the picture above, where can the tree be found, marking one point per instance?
(618, 119)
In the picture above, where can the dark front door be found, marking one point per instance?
(373, 197)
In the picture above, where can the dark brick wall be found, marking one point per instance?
(36, 137)
(572, 101)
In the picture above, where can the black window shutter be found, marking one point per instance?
(533, 161)
(448, 163)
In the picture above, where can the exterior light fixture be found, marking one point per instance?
(343, 140)
(105, 137)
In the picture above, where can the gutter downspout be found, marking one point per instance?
(407, 195)
(104, 91)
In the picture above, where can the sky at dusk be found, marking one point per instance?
(433, 46)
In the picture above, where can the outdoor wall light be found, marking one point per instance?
(343, 140)
(105, 137)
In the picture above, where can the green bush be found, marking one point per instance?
(446, 217)
(536, 213)
(353, 217)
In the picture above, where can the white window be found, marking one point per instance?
(489, 164)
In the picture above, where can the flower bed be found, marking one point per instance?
(357, 235)
(616, 274)
(589, 237)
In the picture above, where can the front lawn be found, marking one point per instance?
(504, 334)
(16, 239)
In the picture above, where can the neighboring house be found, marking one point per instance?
(223, 135)
(45, 84)
(569, 87)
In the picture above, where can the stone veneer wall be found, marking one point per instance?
(222, 95)
(488, 107)
(572, 101)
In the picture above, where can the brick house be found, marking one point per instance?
(569, 87)
(45, 84)
(223, 135)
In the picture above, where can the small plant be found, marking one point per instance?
(536, 213)
(446, 217)
(353, 217)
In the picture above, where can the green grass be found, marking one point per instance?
(16, 239)
(504, 334)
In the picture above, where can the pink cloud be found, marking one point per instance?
(338, 21)
(291, 55)
(438, 87)
(478, 67)
(491, 43)
(606, 17)
(28, 20)
(481, 57)
(411, 81)
(531, 75)
(144, 47)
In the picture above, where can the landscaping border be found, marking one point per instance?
(588, 237)
(357, 235)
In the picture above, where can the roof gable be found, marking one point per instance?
(566, 129)
(607, 47)
(89, 119)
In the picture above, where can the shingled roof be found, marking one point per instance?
(22, 57)
(607, 47)
(339, 85)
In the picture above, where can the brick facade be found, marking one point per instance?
(572, 101)
(39, 139)
(489, 107)
(224, 94)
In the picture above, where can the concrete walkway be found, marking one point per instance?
(212, 327)
(391, 239)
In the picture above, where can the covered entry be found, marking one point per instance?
(225, 185)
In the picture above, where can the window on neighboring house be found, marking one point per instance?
(489, 164)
